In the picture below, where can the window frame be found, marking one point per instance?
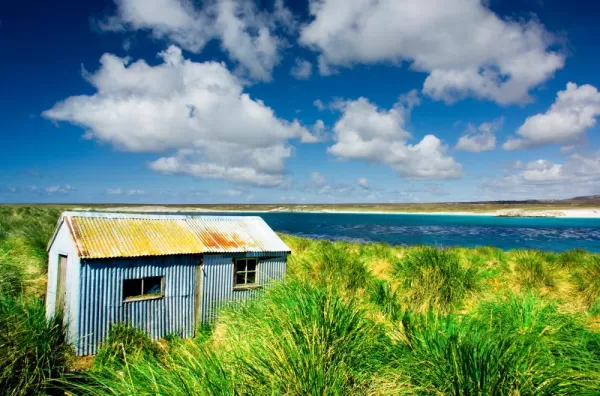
(245, 285)
(142, 296)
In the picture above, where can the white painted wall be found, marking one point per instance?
(63, 244)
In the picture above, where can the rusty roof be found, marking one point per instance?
(104, 235)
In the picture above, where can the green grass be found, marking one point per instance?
(433, 278)
(588, 279)
(532, 269)
(351, 318)
(33, 352)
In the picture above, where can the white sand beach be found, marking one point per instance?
(565, 213)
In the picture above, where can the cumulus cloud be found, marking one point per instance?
(246, 34)
(480, 138)
(123, 191)
(199, 110)
(466, 49)
(319, 104)
(566, 121)
(578, 175)
(363, 182)
(302, 69)
(367, 133)
(60, 189)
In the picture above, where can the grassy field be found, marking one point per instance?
(350, 319)
(590, 202)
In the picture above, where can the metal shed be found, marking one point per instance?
(162, 273)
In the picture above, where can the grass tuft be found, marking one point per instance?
(33, 351)
(588, 279)
(532, 269)
(434, 278)
(125, 342)
(333, 264)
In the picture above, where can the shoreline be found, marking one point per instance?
(525, 213)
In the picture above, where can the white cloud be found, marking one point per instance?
(62, 189)
(566, 121)
(367, 133)
(247, 35)
(466, 49)
(481, 138)
(197, 109)
(122, 191)
(317, 178)
(578, 175)
(302, 69)
(319, 104)
(363, 182)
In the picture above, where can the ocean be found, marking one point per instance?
(552, 234)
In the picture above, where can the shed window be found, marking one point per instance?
(149, 287)
(245, 272)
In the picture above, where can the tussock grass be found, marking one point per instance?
(465, 356)
(588, 279)
(387, 300)
(332, 264)
(433, 278)
(125, 342)
(573, 258)
(532, 269)
(33, 351)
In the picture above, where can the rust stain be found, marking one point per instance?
(103, 237)
(213, 239)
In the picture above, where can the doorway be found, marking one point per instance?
(61, 283)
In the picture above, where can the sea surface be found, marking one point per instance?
(553, 234)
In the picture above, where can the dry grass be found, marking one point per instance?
(555, 277)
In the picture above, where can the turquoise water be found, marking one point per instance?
(555, 234)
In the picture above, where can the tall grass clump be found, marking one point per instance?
(123, 342)
(11, 276)
(562, 334)
(190, 368)
(33, 351)
(301, 339)
(588, 280)
(386, 299)
(573, 258)
(434, 278)
(454, 355)
(333, 264)
(491, 261)
(532, 269)
(35, 226)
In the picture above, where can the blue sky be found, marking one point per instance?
(165, 101)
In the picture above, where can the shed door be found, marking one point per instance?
(198, 295)
(61, 289)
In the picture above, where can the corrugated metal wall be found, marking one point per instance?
(217, 287)
(101, 301)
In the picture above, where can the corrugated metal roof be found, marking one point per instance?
(104, 235)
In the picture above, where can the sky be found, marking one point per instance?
(285, 101)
